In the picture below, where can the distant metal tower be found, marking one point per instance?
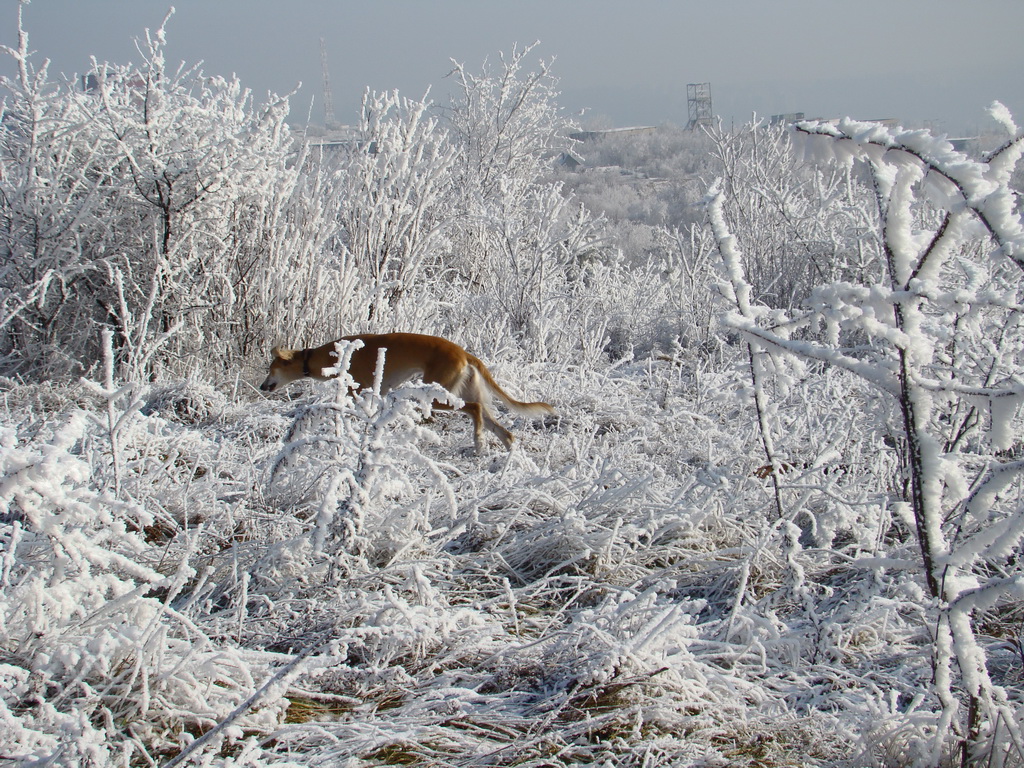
(698, 106)
(328, 102)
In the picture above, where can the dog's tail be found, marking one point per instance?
(533, 410)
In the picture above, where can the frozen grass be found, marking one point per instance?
(610, 592)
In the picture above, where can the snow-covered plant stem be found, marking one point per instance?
(737, 292)
(121, 403)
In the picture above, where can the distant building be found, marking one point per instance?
(888, 122)
(342, 137)
(569, 160)
(597, 135)
(786, 118)
(795, 117)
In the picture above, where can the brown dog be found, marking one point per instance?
(437, 360)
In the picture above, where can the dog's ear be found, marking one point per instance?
(283, 354)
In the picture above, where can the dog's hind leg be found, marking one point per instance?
(477, 399)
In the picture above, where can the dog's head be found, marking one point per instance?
(285, 367)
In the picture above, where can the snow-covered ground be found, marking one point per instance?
(606, 591)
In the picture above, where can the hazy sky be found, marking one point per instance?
(625, 62)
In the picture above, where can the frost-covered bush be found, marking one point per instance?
(797, 224)
(158, 202)
(166, 206)
(343, 468)
(932, 326)
(518, 244)
(101, 661)
(397, 213)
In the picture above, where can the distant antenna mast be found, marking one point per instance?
(698, 106)
(328, 102)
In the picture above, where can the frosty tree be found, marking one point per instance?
(158, 202)
(519, 240)
(397, 207)
(938, 331)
